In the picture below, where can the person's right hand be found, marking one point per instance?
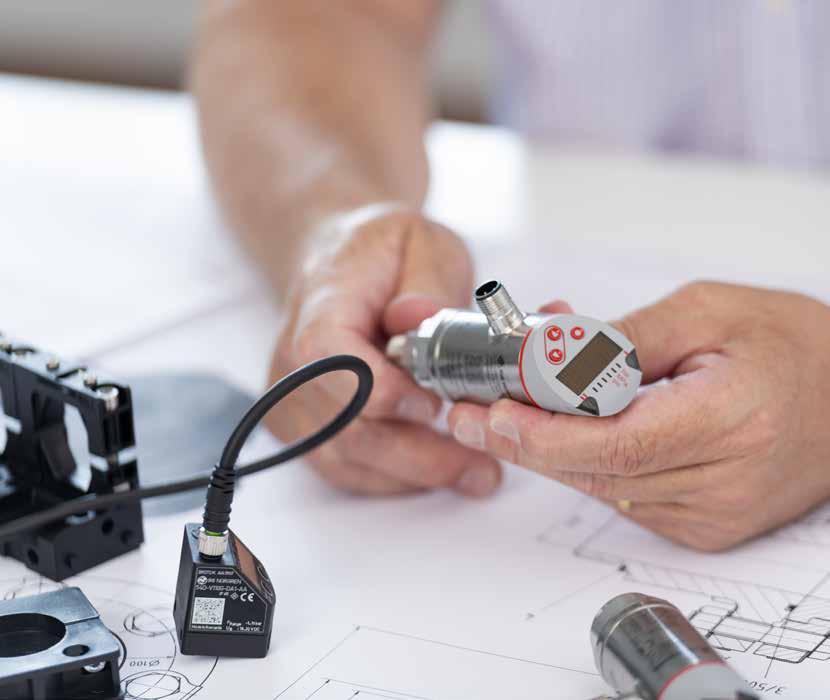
(371, 274)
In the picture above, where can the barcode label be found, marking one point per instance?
(207, 611)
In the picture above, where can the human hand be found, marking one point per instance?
(372, 274)
(734, 444)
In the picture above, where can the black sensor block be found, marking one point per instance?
(54, 646)
(224, 605)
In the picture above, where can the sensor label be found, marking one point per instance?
(224, 602)
(208, 611)
(468, 369)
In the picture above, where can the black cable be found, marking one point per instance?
(237, 439)
(220, 490)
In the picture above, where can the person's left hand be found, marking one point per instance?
(735, 443)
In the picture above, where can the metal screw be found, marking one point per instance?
(5, 346)
(110, 396)
(90, 380)
(53, 363)
(80, 518)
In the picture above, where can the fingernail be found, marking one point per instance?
(478, 481)
(504, 427)
(469, 433)
(416, 408)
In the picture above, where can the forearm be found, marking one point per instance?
(307, 108)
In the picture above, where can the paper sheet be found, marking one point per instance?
(431, 597)
(436, 598)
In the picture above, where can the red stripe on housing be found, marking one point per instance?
(521, 373)
(684, 670)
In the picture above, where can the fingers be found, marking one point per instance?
(417, 456)
(395, 394)
(674, 424)
(384, 456)
(683, 485)
(694, 527)
(436, 272)
(556, 307)
(331, 321)
(360, 479)
(669, 520)
(405, 312)
(667, 332)
(378, 288)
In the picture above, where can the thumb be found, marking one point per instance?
(556, 307)
(669, 331)
(436, 272)
(407, 310)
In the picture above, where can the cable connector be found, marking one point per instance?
(212, 544)
(218, 502)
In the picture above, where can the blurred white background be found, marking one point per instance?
(146, 42)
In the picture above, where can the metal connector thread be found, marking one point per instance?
(212, 544)
(501, 311)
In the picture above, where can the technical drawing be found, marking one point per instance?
(783, 640)
(146, 623)
(774, 603)
(159, 685)
(141, 618)
(371, 663)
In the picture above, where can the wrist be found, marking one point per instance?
(354, 218)
(283, 264)
(332, 230)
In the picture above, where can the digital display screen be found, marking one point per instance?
(247, 563)
(588, 363)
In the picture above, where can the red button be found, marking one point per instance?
(555, 355)
(577, 333)
(554, 333)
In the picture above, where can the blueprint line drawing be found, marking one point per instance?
(374, 663)
(159, 685)
(741, 609)
(140, 617)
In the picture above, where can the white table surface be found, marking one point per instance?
(111, 248)
(109, 231)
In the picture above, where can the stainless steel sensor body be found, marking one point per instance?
(560, 362)
(645, 648)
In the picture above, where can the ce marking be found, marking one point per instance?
(247, 597)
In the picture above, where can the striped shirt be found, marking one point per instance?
(747, 79)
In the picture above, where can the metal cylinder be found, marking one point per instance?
(646, 647)
(462, 354)
(457, 355)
